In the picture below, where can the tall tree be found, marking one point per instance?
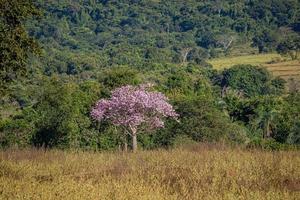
(290, 46)
(267, 110)
(266, 41)
(15, 43)
(250, 80)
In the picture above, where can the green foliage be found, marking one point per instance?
(287, 123)
(15, 132)
(277, 86)
(15, 44)
(266, 41)
(144, 33)
(290, 46)
(118, 76)
(267, 110)
(268, 144)
(182, 141)
(62, 110)
(201, 120)
(294, 135)
(187, 81)
(58, 117)
(269, 117)
(250, 80)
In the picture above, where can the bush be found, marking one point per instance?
(269, 144)
(182, 140)
(15, 132)
(250, 80)
(202, 121)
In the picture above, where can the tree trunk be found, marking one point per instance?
(223, 92)
(184, 53)
(268, 132)
(134, 138)
(125, 146)
(134, 143)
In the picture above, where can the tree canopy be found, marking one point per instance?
(15, 44)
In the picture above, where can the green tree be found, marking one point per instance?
(294, 136)
(62, 112)
(290, 46)
(266, 112)
(15, 44)
(118, 76)
(287, 123)
(249, 80)
(266, 41)
(202, 120)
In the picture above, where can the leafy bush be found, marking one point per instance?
(202, 121)
(182, 140)
(15, 132)
(250, 80)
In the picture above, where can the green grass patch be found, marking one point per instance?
(259, 59)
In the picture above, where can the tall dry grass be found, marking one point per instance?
(198, 172)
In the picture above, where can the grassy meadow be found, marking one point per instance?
(195, 172)
(257, 59)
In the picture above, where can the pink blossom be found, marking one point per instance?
(134, 106)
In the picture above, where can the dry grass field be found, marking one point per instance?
(196, 172)
(288, 69)
(258, 59)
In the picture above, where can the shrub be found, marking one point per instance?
(250, 80)
(202, 121)
(182, 140)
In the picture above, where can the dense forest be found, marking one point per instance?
(58, 57)
(84, 35)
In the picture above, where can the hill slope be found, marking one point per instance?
(81, 36)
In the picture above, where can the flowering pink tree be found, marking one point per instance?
(134, 108)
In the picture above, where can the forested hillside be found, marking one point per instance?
(59, 57)
(82, 35)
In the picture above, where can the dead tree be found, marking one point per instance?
(184, 53)
(226, 42)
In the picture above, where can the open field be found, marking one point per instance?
(259, 59)
(198, 172)
(289, 69)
